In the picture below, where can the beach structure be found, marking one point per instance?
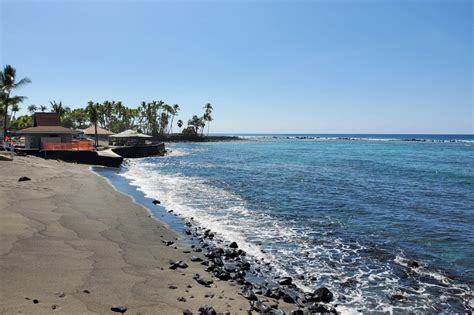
(129, 137)
(102, 134)
(46, 130)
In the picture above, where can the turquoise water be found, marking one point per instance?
(346, 214)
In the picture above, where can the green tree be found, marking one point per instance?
(9, 83)
(32, 108)
(179, 124)
(207, 115)
(43, 108)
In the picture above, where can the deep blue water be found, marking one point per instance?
(350, 214)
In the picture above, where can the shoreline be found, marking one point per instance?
(260, 283)
(72, 243)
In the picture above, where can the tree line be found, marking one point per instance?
(155, 118)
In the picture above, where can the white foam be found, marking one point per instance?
(233, 219)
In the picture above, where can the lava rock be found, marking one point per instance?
(248, 293)
(285, 281)
(413, 264)
(181, 299)
(35, 301)
(233, 245)
(207, 310)
(119, 309)
(259, 307)
(178, 264)
(297, 312)
(187, 312)
(156, 202)
(23, 179)
(203, 281)
(323, 295)
(195, 259)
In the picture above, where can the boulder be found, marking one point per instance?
(207, 310)
(119, 309)
(323, 295)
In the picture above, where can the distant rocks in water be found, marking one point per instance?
(413, 264)
(233, 245)
(23, 179)
(119, 309)
(207, 310)
(156, 202)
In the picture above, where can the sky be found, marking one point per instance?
(358, 66)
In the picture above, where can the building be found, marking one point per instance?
(102, 134)
(46, 129)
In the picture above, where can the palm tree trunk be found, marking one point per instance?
(5, 115)
(96, 136)
(208, 124)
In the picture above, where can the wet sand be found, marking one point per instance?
(73, 244)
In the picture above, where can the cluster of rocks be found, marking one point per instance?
(228, 262)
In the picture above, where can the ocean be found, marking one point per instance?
(349, 212)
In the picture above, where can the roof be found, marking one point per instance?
(47, 130)
(130, 134)
(100, 131)
(46, 119)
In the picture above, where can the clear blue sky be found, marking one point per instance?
(266, 66)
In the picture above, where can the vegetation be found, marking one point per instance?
(9, 83)
(155, 118)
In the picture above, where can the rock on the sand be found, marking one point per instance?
(207, 310)
(119, 309)
(23, 179)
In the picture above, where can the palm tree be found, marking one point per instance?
(207, 115)
(43, 108)
(93, 118)
(32, 108)
(8, 83)
(15, 109)
(180, 124)
(174, 113)
(58, 108)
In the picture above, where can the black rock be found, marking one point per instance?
(156, 202)
(119, 309)
(87, 292)
(172, 287)
(323, 295)
(285, 281)
(297, 312)
(248, 293)
(181, 299)
(35, 301)
(207, 310)
(413, 264)
(259, 307)
(318, 309)
(23, 179)
(195, 259)
(203, 281)
(233, 245)
(187, 312)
